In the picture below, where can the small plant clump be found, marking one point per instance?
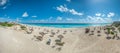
(112, 33)
(48, 42)
(113, 37)
(23, 27)
(98, 31)
(91, 34)
(51, 35)
(59, 49)
(108, 38)
(53, 46)
(98, 35)
(57, 40)
(92, 31)
(87, 30)
(39, 38)
(60, 37)
(60, 43)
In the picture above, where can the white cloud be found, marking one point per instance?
(69, 19)
(38, 21)
(25, 14)
(96, 19)
(110, 14)
(34, 16)
(3, 2)
(101, 18)
(18, 20)
(75, 12)
(108, 19)
(59, 18)
(68, 0)
(42, 20)
(62, 8)
(103, 15)
(98, 14)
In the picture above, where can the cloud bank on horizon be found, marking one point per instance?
(60, 11)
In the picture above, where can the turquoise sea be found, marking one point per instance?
(67, 25)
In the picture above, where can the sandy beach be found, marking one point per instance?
(59, 26)
(56, 40)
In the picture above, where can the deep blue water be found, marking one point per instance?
(66, 25)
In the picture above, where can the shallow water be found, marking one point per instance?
(67, 25)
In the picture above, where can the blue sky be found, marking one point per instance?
(60, 11)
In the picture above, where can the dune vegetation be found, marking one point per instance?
(7, 24)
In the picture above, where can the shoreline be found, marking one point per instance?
(64, 27)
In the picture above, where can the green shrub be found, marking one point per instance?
(10, 25)
(6, 24)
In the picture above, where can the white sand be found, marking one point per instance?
(18, 41)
